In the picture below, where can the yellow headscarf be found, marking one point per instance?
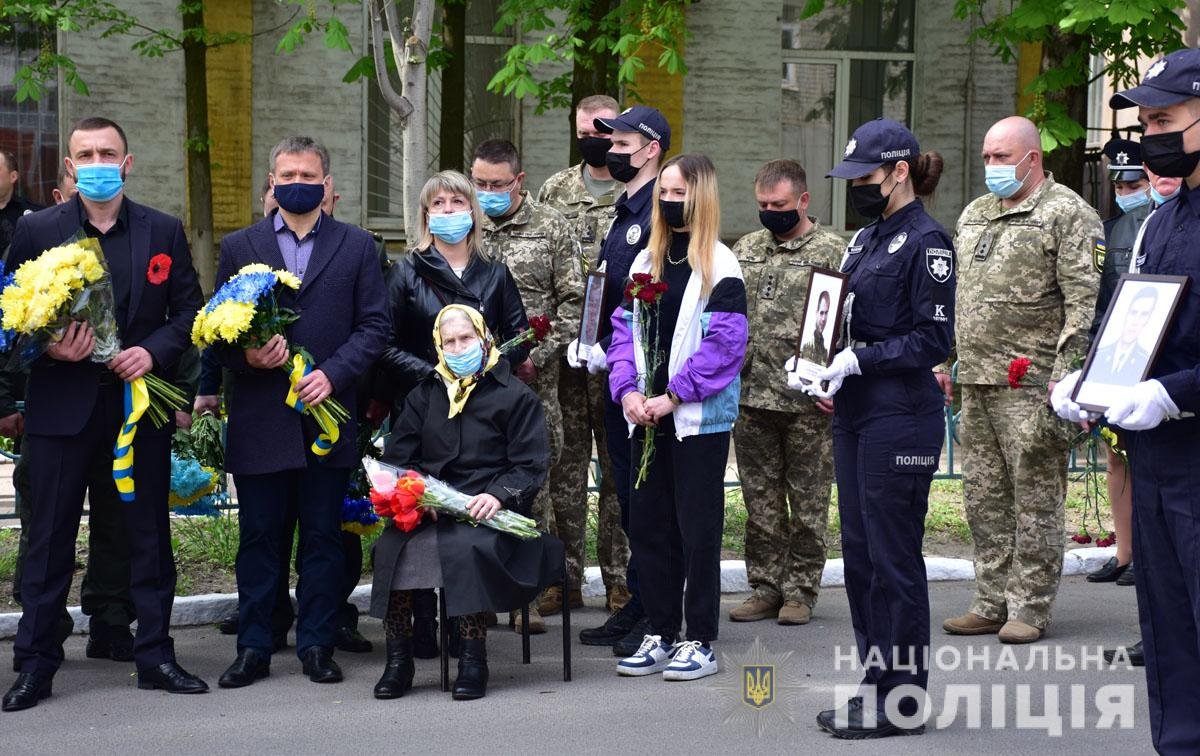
(459, 389)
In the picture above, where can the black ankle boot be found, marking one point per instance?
(398, 672)
(472, 671)
(425, 624)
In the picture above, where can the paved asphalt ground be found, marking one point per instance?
(96, 708)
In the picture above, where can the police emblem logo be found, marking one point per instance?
(1122, 158)
(1099, 252)
(1155, 70)
(897, 242)
(758, 685)
(851, 146)
(633, 233)
(939, 263)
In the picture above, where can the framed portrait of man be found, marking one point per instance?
(1130, 336)
(593, 309)
(817, 342)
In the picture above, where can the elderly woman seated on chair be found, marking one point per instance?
(474, 426)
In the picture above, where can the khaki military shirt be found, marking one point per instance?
(1026, 284)
(537, 244)
(589, 216)
(777, 275)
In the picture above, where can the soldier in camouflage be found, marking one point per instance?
(1026, 288)
(586, 194)
(537, 244)
(783, 439)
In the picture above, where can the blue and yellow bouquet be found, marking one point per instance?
(245, 313)
(190, 482)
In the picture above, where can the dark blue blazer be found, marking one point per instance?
(61, 395)
(343, 324)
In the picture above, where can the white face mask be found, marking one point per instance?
(1002, 180)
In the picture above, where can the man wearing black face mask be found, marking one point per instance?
(1162, 455)
(640, 137)
(785, 448)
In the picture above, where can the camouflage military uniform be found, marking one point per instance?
(537, 245)
(1026, 288)
(784, 443)
(581, 398)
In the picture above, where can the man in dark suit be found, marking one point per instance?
(1124, 361)
(344, 325)
(75, 407)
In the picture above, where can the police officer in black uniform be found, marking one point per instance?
(888, 422)
(1131, 191)
(1165, 440)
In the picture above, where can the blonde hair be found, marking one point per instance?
(701, 211)
(455, 183)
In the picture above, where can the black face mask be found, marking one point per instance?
(779, 222)
(1164, 154)
(620, 167)
(593, 150)
(672, 213)
(868, 200)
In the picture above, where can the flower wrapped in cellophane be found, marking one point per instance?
(404, 495)
(245, 313)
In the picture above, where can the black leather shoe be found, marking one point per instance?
(320, 666)
(851, 723)
(398, 671)
(1110, 572)
(228, 625)
(172, 678)
(278, 642)
(614, 628)
(250, 665)
(27, 690)
(106, 642)
(1134, 654)
(629, 644)
(472, 679)
(350, 640)
(1127, 577)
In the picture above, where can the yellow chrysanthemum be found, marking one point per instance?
(224, 323)
(43, 286)
(255, 268)
(287, 279)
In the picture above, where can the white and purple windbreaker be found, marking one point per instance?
(708, 348)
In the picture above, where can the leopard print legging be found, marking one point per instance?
(398, 621)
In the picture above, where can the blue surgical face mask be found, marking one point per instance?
(99, 182)
(468, 362)
(495, 204)
(1128, 202)
(451, 227)
(1160, 199)
(1002, 180)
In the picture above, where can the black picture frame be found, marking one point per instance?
(820, 281)
(1120, 356)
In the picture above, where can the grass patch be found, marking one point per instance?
(207, 540)
(9, 539)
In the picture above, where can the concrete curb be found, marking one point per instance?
(208, 608)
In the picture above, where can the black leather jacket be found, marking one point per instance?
(419, 286)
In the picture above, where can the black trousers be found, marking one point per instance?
(263, 501)
(284, 614)
(676, 519)
(61, 469)
(617, 439)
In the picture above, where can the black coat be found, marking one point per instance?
(496, 445)
(419, 286)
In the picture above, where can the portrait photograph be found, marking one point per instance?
(817, 341)
(1132, 331)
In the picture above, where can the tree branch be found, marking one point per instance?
(402, 107)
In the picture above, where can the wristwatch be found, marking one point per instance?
(674, 397)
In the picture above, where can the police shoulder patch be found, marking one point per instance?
(1099, 251)
(939, 263)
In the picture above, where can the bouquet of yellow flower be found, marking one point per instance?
(245, 313)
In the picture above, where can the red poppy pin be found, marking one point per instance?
(160, 268)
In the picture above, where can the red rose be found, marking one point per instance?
(647, 295)
(160, 268)
(642, 278)
(541, 327)
(1017, 370)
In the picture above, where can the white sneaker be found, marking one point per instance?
(692, 661)
(652, 656)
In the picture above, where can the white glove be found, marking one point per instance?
(1060, 400)
(573, 355)
(844, 363)
(793, 376)
(1145, 406)
(597, 361)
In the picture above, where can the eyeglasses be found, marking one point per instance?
(494, 186)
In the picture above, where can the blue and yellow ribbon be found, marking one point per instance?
(329, 427)
(137, 401)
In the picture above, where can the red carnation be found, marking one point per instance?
(647, 294)
(642, 278)
(1081, 538)
(541, 327)
(160, 268)
(1017, 370)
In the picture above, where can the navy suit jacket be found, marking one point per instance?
(343, 324)
(61, 395)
